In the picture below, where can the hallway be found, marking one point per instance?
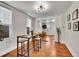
(30, 21)
(49, 49)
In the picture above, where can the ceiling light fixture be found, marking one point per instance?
(41, 6)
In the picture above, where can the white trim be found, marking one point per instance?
(69, 48)
(3, 19)
(5, 9)
(4, 4)
(7, 50)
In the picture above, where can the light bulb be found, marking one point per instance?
(41, 6)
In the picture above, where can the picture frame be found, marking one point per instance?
(68, 17)
(75, 14)
(69, 26)
(76, 26)
(44, 26)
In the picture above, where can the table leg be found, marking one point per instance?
(21, 48)
(34, 44)
(40, 42)
(28, 47)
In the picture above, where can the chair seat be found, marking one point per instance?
(37, 38)
(21, 41)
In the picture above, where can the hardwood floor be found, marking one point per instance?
(49, 49)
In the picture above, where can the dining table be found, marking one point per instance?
(27, 39)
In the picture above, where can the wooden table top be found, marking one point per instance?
(27, 36)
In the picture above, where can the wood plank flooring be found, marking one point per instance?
(49, 49)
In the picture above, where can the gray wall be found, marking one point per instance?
(72, 37)
(18, 28)
(69, 37)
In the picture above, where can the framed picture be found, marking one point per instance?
(76, 26)
(69, 26)
(68, 17)
(75, 14)
(44, 26)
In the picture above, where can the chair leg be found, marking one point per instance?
(40, 43)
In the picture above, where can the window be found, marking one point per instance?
(28, 24)
(5, 15)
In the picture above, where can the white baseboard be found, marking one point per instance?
(71, 50)
(7, 50)
(12, 48)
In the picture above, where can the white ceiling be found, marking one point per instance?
(55, 7)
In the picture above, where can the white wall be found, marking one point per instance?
(50, 26)
(18, 28)
(33, 24)
(59, 25)
(59, 21)
(72, 37)
(37, 26)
